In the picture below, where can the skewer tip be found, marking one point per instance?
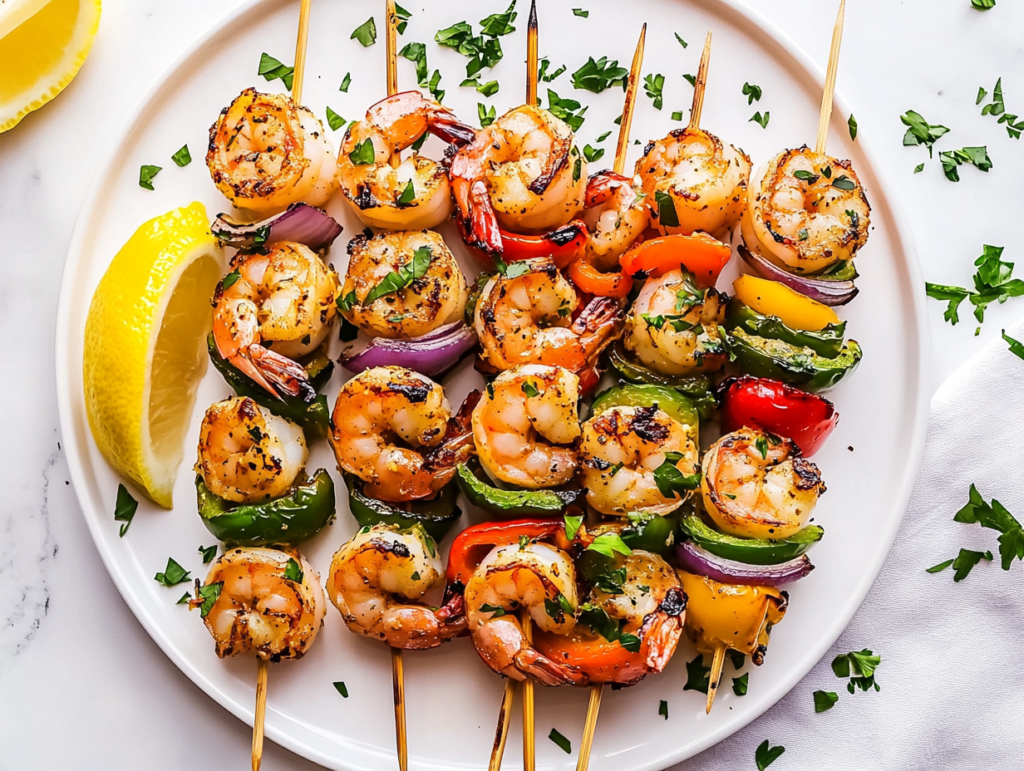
(532, 24)
(717, 664)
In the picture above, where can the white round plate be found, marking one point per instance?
(869, 464)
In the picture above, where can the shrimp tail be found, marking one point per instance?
(662, 629)
(479, 223)
(599, 323)
(458, 445)
(450, 129)
(601, 186)
(530, 663)
(284, 376)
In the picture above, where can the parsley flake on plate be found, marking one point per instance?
(568, 110)
(952, 159)
(362, 154)
(293, 571)
(334, 120)
(272, 69)
(600, 74)
(739, 684)
(341, 688)
(982, 5)
(485, 114)
(365, 33)
(403, 277)
(681, 41)
(581, 13)
(752, 92)
(146, 175)
(1016, 346)
(860, 667)
(993, 282)
(761, 120)
(125, 508)
(182, 157)
(172, 575)
(825, 700)
(766, 755)
(543, 74)
(852, 124)
(654, 86)
(561, 741)
(920, 131)
(572, 526)
(208, 553)
(663, 709)
(345, 82)
(698, 676)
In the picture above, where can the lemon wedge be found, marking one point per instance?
(42, 46)
(145, 349)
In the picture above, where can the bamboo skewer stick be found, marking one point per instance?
(261, 711)
(300, 51)
(529, 729)
(590, 728)
(716, 676)
(830, 80)
(501, 732)
(531, 56)
(391, 46)
(700, 83)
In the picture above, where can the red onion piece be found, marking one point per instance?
(694, 559)
(430, 355)
(826, 292)
(300, 223)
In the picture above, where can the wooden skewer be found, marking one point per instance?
(830, 81)
(261, 711)
(716, 676)
(626, 122)
(391, 41)
(529, 730)
(531, 56)
(398, 682)
(300, 51)
(501, 732)
(596, 691)
(699, 84)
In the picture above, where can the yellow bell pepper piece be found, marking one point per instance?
(774, 299)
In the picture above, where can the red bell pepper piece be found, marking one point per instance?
(474, 543)
(563, 245)
(781, 409)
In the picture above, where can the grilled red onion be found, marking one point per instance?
(824, 291)
(300, 222)
(429, 355)
(694, 559)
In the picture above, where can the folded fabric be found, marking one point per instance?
(952, 672)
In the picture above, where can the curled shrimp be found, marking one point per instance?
(648, 607)
(616, 215)
(523, 424)
(415, 195)
(264, 600)
(246, 453)
(266, 152)
(705, 181)
(807, 211)
(756, 485)
(384, 420)
(535, 579)
(284, 298)
(525, 318)
(673, 327)
(619, 451)
(436, 298)
(524, 172)
(378, 581)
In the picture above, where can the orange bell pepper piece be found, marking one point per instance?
(699, 253)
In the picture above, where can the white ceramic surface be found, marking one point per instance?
(882, 416)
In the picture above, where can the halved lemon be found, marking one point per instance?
(43, 43)
(145, 349)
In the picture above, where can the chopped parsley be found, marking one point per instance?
(843, 182)
(543, 74)
(663, 706)
(229, 280)
(334, 120)
(952, 159)
(611, 581)
(581, 13)
(417, 54)
(670, 480)
(739, 684)
(761, 120)
(483, 50)
(667, 214)
(271, 69)
(362, 154)
(1016, 346)
(403, 19)
(182, 157)
(608, 544)
(529, 389)
(997, 108)
(654, 85)
(568, 110)
(920, 131)
(852, 124)
(208, 553)
(524, 541)
(993, 282)
(982, 5)
(825, 700)
(206, 596)
(681, 41)
(146, 175)
(561, 741)
(805, 176)
(485, 114)
(994, 516)
(173, 574)
(341, 688)
(762, 446)
(598, 75)
(403, 277)
(603, 137)
(408, 195)
(572, 526)
(963, 564)
(593, 154)
(598, 619)
(752, 92)
(690, 78)
(185, 599)
(495, 610)
(677, 115)
(293, 571)
(698, 676)
(345, 82)
(919, 168)
(738, 659)
(766, 755)
(365, 33)
(860, 667)
(125, 508)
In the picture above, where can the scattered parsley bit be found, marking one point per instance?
(185, 599)
(670, 480)
(1016, 346)
(146, 175)
(347, 302)
(208, 553)
(529, 389)
(940, 567)
(596, 76)
(581, 13)
(173, 574)
(761, 120)
(860, 667)
(437, 93)
(341, 688)
(403, 19)
(681, 41)
(362, 154)
(592, 154)
(347, 331)
(561, 741)
(920, 131)
(994, 516)
(667, 215)
(334, 120)
(654, 85)
(293, 571)
(852, 123)
(408, 195)
(183, 157)
(998, 108)
(572, 526)
(600, 622)
(125, 508)
(663, 709)
(766, 755)
(206, 596)
(542, 72)
(272, 69)
(739, 684)
(698, 676)
(608, 544)
(515, 270)
(487, 89)
(825, 700)
(496, 610)
(524, 541)
(611, 581)
(365, 33)
(401, 278)
(345, 82)
(229, 280)
(762, 446)
(919, 168)
(568, 110)
(603, 137)
(952, 159)
(843, 182)
(753, 93)
(738, 659)
(677, 115)
(485, 114)
(805, 176)
(483, 50)
(417, 54)
(992, 283)
(691, 79)
(982, 5)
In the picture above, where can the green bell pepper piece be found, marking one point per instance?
(801, 367)
(436, 516)
(283, 521)
(827, 342)
(750, 550)
(651, 532)
(314, 417)
(513, 503)
(666, 399)
(473, 298)
(697, 388)
(844, 270)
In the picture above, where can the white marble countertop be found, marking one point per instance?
(70, 650)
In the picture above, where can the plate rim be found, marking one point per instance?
(737, 10)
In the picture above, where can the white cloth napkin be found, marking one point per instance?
(952, 672)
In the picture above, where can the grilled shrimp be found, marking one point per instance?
(807, 211)
(283, 298)
(704, 179)
(246, 453)
(524, 172)
(435, 297)
(756, 485)
(523, 424)
(415, 195)
(383, 419)
(619, 451)
(616, 216)
(266, 152)
(673, 325)
(378, 580)
(525, 319)
(265, 600)
(649, 605)
(532, 578)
